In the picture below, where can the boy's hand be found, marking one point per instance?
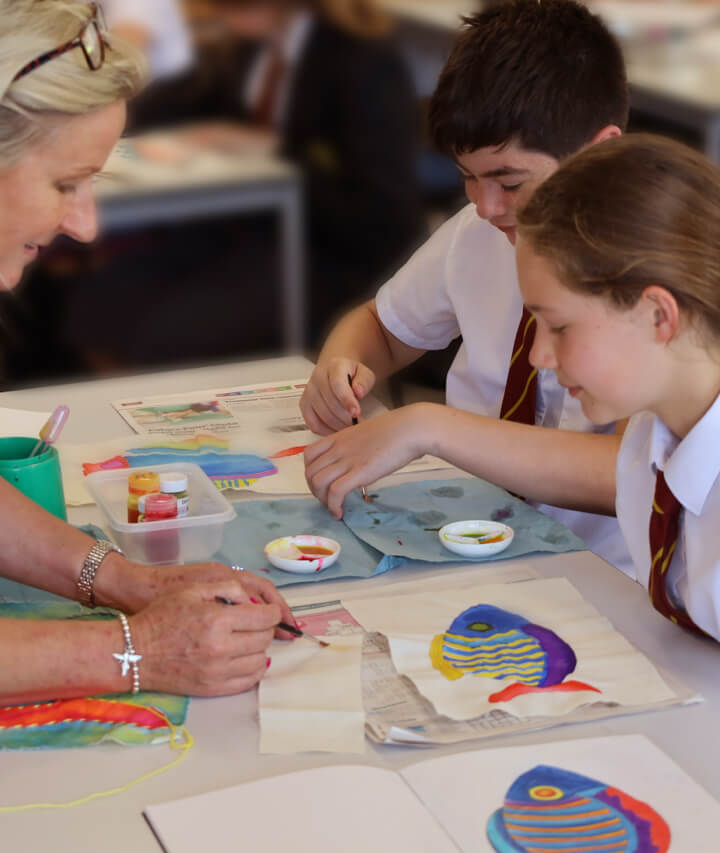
(360, 455)
(330, 401)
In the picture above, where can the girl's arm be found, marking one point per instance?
(569, 469)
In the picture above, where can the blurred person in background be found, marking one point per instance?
(322, 83)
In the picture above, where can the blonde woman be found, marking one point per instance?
(63, 88)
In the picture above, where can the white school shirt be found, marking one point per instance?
(463, 281)
(293, 43)
(170, 50)
(692, 472)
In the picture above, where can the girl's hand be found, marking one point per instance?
(361, 454)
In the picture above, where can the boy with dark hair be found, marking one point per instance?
(528, 83)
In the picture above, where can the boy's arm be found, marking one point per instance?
(569, 469)
(361, 347)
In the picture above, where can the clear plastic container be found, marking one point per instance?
(200, 532)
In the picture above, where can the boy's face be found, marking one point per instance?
(499, 180)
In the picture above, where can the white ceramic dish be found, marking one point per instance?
(285, 553)
(459, 537)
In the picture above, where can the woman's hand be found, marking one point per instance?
(361, 454)
(330, 402)
(130, 587)
(192, 644)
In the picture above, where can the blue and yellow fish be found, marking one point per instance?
(488, 641)
(550, 810)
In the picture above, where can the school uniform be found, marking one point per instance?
(692, 471)
(463, 281)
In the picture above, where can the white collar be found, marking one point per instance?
(691, 465)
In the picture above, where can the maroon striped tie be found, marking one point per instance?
(264, 110)
(664, 529)
(520, 398)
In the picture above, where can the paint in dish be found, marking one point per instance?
(476, 538)
(303, 554)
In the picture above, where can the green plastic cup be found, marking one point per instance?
(38, 478)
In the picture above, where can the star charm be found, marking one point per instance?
(126, 660)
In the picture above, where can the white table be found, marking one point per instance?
(213, 185)
(678, 81)
(225, 730)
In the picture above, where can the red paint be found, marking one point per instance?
(254, 601)
(289, 451)
(399, 542)
(267, 663)
(518, 689)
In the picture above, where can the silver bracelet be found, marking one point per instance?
(86, 579)
(129, 658)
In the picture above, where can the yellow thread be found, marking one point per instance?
(657, 508)
(184, 747)
(522, 396)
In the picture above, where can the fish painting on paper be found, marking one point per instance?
(488, 641)
(225, 467)
(551, 810)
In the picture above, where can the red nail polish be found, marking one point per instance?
(254, 601)
(267, 663)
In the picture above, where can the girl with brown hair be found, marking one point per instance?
(618, 262)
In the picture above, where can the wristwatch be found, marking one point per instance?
(86, 580)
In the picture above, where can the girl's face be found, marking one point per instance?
(605, 356)
(49, 191)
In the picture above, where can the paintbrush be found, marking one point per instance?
(363, 490)
(284, 626)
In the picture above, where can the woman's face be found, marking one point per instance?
(49, 191)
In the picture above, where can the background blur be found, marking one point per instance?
(278, 171)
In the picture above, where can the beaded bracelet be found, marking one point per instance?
(129, 658)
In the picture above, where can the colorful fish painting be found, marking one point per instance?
(551, 810)
(225, 468)
(488, 641)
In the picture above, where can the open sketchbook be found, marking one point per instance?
(615, 793)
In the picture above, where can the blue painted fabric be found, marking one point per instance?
(403, 521)
(259, 522)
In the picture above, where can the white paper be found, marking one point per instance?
(21, 422)
(254, 409)
(436, 806)
(463, 790)
(311, 698)
(354, 809)
(606, 661)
